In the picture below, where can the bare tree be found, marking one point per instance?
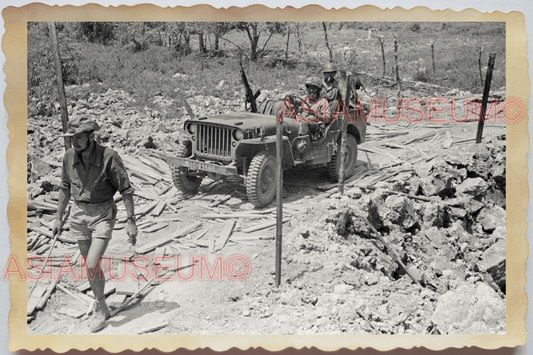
(327, 42)
(254, 30)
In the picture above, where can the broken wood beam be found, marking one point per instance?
(225, 235)
(161, 241)
(264, 225)
(390, 250)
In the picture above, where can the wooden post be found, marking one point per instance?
(486, 91)
(59, 78)
(344, 128)
(479, 64)
(279, 196)
(396, 65)
(327, 42)
(433, 59)
(382, 44)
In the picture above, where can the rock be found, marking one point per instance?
(493, 261)
(342, 289)
(437, 185)
(373, 214)
(495, 197)
(402, 211)
(436, 215)
(498, 172)
(466, 307)
(473, 186)
(371, 279)
(436, 236)
(491, 217)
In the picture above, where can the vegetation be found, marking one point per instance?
(142, 57)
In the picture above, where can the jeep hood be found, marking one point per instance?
(247, 121)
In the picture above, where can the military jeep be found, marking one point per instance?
(244, 144)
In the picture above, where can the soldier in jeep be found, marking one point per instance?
(315, 111)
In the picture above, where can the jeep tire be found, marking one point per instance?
(185, 183)
(261, 179)
(351, 159)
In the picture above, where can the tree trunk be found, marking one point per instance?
(287, 47)
(300, 45)
(382, 44)
(216, 42)
(201, 43)
(253, 49)
(327, 42)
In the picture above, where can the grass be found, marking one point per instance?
(143, 74)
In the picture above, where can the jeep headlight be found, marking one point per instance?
(191, 128)
(238, 134)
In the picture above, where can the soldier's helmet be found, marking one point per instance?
(314, 80)
(329, 67)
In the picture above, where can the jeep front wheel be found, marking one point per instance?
(261, 179)
(184, 182)
(349, 161)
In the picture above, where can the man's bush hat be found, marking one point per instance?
(80, 124)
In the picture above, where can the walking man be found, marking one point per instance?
(92, 174)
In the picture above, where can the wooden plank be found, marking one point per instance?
(109, 288)
(127, 287)
(146, 195)
(238, 238)
(164, 240)
(233, 215)
(38, 292)
(155, 227)
(264, 225)
(153, 328)
(159, 208)
(225, 235)
(48, 234)
(115, 300)
(74, 313)
(78, 297)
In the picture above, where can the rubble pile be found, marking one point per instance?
(445, 220)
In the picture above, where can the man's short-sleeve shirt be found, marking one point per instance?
(98, 181)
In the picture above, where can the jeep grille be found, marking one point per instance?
(214, 141)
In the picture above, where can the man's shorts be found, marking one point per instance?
(93, 220)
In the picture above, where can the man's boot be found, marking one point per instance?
(100, 315)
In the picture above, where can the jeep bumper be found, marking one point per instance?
(203, 166)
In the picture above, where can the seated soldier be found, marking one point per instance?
(315, 111)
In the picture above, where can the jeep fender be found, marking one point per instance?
(250, 147)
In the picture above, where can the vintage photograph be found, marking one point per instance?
(155, 152)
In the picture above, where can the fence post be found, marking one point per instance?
(59, 78)
(486, 91)
(433, 59)
(479, 64)
(279, 196)
(344, 137)
(396, 66)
